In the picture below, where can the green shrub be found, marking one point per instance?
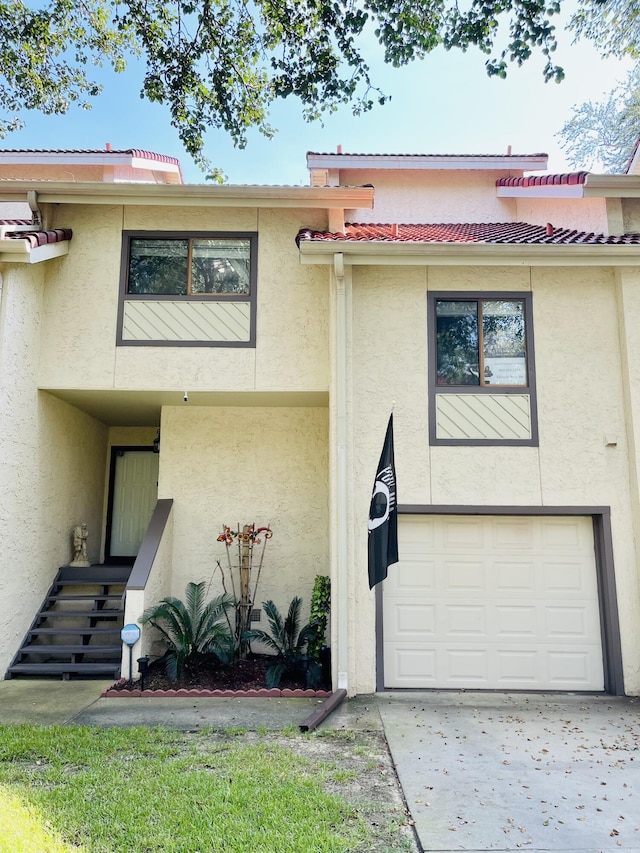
(289, 642)
(192, 628)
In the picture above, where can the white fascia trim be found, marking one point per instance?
(188, 195)
(612, 186)
(154, 165)
(446, 161)
(481, 254)
(21, 251)
(545, 191)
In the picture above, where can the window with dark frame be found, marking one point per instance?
(481, 342)
(189, 266)
(188, 288)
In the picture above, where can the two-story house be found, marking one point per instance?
(261, 336)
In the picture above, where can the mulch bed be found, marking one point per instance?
(245, 677)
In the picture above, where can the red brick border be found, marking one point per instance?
(262, 693)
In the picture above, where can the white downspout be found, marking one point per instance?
(341, 473)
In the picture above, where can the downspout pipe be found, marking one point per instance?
(342, 510)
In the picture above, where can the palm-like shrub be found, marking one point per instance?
(288, 641)
(192, 627)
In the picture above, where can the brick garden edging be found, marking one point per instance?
(261, 693)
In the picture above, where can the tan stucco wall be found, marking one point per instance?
(631, 214)
(580, 405)
(431, 196)
(79, 330)
(267, 466)
(51, 464)
(581, 214)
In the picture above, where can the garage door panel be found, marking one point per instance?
(466, 621)
(463, 533)
(407, 621)
(568, 577)
(516, 621)
(479, 615)
(463, 575)
(514, 535)
(572, 668)
(567, 622)
(514, 576)
(412, 576)
(414, 667)
(565, 533)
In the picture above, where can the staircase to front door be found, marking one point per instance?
(76, 632)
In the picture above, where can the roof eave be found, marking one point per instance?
(407, 253)
(22, 252)
(194, 195)
(612, 186)
(506, 162)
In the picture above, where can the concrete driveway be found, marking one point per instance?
(491, 771)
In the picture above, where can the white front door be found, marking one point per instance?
(493, 602)
(134, 496)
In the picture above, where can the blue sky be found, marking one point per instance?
(444, 104)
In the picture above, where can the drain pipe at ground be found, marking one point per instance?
(313, 720)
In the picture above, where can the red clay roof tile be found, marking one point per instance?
(543, 180)
(517, 233)
(40, 238)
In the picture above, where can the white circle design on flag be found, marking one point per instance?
(380, 489)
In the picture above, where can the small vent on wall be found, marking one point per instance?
(256, 614)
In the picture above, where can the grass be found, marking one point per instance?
(89, 790)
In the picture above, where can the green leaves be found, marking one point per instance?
(192, 628)
(220, 64)
(286, 639)
(602, 134)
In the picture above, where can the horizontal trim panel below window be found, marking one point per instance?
(498, 417)
(193, 320)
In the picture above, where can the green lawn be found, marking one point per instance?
(93, 790)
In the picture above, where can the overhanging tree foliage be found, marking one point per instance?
(602, 134)
(221, 63)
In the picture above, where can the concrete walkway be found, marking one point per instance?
(480, 771)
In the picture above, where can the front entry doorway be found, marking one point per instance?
(133, 493)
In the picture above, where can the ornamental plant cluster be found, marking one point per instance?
(218, 631)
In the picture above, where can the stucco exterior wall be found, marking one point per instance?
(582, 214)
(51, 464)
(631, 214)
(431, 196)
(580, 407)
(267, 466)
(79, 331)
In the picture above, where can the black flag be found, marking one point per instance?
(383, 514)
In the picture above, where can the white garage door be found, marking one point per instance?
(493, 602)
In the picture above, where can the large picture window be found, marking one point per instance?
(481, 368)
(188, 289)
(481, 342)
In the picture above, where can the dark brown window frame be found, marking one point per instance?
(434, 389)
(250, 298)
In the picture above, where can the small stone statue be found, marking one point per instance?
(80, 534)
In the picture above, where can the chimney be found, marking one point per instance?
(508, 151)
(339, 149)
(549, 229)
(108, 147)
